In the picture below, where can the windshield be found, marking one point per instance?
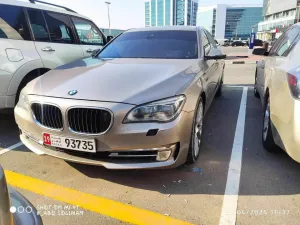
(153, 44)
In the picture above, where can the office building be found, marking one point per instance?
(170, 12)
(278, 16)
(229, 21)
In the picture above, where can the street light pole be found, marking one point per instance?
(108, 3)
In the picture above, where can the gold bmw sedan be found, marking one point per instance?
(277, 83)
(138, 103)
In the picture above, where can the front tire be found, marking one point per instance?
(267, 134)
(196, 137)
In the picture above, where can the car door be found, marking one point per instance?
(54, 37)
(282, 65)
(269, 63)
(16, 49)
(219, 64)
(90, 36)
(209, 68)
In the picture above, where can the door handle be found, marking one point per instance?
(48, 49)
(89, 51)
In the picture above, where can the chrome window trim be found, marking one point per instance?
(89, 107)
(41, 125)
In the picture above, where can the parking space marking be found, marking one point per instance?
(111, 208)
(10, 148)
(236, 86)
(228, 215)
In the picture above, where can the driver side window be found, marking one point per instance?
(205, 43)
(87, 32)
(287, 42)
(212, 41)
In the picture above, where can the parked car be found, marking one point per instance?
(222, 42)
(238, 43)
(258, 42)
(227, 43)
(15, 209)
(139, 103)
(36, 38)
(277, 83)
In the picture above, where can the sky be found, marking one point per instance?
(124, 14)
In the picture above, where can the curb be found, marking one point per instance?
(240, 62)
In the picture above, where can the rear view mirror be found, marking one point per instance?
(259, 51)
(109, 38)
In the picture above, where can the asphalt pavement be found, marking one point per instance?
(268, 184)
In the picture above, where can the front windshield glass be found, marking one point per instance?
(153, 44)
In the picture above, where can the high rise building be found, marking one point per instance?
(170, 12)
(229, 21)
(278, 16)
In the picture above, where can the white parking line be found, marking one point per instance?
(237, 86)
(11, 148)
(228, 215)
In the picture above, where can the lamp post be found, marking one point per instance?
(109, 31)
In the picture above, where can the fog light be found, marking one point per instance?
(163, 155)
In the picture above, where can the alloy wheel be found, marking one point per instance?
(198, 127)
(266, 122)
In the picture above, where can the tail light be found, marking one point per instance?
(294, 82)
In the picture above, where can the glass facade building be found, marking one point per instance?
(278, 16)
(147, 14)
(240, 20)
(230, 21)
(171, 12)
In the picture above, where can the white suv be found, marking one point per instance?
(35, 38)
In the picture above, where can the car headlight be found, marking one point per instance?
(164, 110)
(23, 100)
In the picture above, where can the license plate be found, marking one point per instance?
(69, 143)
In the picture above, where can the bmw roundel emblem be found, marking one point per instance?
(73, 92)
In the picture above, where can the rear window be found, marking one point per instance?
(153, 44)
(13, 23)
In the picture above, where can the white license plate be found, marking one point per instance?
(69, 143)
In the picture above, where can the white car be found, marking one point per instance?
(35, 38)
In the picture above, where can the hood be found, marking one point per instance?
(132, 81)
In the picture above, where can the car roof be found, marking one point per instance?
(162, 28)
(41, 6)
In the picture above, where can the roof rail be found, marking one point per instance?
(47, 3)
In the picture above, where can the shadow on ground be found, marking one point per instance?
(8, 129)
(208, 176)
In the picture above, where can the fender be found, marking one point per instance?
(196, 86)
(24, 70)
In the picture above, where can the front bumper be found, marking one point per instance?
(120, 138)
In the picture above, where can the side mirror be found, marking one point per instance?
(215, 57)
(259, 51)
(109, 38)
(95, 52)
